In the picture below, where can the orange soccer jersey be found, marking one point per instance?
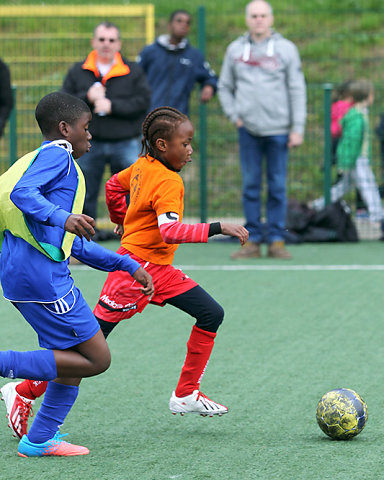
(153, 189)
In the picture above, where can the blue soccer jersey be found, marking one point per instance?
(45, 194)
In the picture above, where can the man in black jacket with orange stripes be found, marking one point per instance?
(117, 92)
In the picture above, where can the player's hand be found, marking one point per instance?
(237, 231)
(119, 230)
(143, 277)
(81, 225)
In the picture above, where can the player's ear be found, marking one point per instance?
(161, 145)
(64, 128)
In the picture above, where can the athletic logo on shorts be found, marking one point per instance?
(63, 305)
(112, 306)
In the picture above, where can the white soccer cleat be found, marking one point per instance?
(198, 403)
(18, 409)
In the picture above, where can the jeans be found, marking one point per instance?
(119, 155)
(252, 151)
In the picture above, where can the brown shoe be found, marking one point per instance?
(248, 250)
(277, 250)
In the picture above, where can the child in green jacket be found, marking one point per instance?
(354, 152)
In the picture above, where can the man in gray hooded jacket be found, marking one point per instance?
(262, 90)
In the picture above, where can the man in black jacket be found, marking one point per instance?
(6, 99)
(118, 94)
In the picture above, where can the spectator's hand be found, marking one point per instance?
(81, 225)
(143, 277)
(96, 92)
(119, 230)
(237, 231)
(206, 93)
(239, 123)
(103, 105)
(295, 139)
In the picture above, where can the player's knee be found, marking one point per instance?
(102, 362)
(218, 317)
(212, 319)
(105, 362)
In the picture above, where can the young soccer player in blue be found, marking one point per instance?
(41, 199)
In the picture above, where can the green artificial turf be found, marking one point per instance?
(288, 337)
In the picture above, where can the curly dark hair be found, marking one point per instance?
(162, 122)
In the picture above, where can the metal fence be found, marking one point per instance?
(41, 42)
(335, 42)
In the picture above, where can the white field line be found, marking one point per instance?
(280, 268)
(268, 268)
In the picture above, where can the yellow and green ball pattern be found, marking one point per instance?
(341, 413)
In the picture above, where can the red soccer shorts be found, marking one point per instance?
(121, 296)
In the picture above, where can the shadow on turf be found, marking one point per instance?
(325, 439)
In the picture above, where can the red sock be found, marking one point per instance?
(31, 388)
(199, 348)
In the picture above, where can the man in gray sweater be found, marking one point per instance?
(262, 90)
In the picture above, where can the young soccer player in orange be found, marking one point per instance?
(152, 230)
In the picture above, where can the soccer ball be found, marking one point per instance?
(341, 413)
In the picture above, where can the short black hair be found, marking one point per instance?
(176, 12)
(56, 107)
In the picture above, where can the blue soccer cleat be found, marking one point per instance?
(53, 447)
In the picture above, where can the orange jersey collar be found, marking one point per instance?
(119, 68)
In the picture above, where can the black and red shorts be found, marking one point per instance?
(121, 296)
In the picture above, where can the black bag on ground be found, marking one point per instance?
(299, 216)
(332, 224)
(336, 217)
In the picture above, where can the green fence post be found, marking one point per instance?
(203, 126)
(327, 142)
(13, 131)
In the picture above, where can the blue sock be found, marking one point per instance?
(33, 365)
(57, 403)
